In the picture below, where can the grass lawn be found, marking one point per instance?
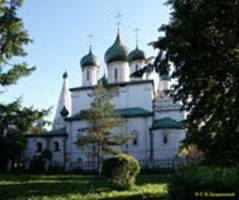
(74, 187)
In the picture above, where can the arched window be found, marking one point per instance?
(39, 147)
(135, 135)
(165, 139)
(165, 136)
(56, 146)
(116, 75)
(88, 75)
(136, 67)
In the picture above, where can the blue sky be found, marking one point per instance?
(59, 29)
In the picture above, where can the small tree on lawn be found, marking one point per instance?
(102, 118)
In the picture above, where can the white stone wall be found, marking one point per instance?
(134, 95)
(31, 147)
(171, 148)
(137, 125)
(93, 72)
(123, 72)
(47, 143)
(136, 65)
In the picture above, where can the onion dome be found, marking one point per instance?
(89, 60)
(136, 54)
(117, 52)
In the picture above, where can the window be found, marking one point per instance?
(135, 135)
(39, 147)
(165, 139)
(88, 75)
(136, 67)
(116, 75)
(135, 140)
(56, 146)
(165, 136)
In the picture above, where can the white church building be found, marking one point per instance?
(152, 119)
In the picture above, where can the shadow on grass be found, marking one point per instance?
(27, 186)
(153, 179)
(12, 187)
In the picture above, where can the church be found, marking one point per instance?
(152, 119)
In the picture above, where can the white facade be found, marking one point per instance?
(89, 75)
(118, 72)
(135, 66)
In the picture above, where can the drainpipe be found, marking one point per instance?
(151, 155)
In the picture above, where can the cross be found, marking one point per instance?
(136, 30)
(118, 16)
(90, 37)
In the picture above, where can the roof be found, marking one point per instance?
(124, 112)
(133, 112)
(121, 84)
(136, 54)
(53, 133)
(117, 52)
(166, 123)
(165, 77)
(89, 60)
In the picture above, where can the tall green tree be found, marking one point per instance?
(201, 42)
(15, 120)
(102, 118)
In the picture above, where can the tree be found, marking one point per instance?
(201, 41)
(102, 118)
(15, 120)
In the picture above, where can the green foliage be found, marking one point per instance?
(102, 118)
(187, 181)
(201, 41)
(13, 37)
(121, 171)
(15, 120)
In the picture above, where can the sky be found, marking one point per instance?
(59, 29)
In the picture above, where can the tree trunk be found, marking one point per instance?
(9, 166)
(46, 165)
(99, 161)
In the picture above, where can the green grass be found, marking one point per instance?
(78, 187)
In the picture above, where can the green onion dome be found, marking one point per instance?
(89, 60)
(117, 52)
(136, 54)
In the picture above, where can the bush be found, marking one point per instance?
(189, 180)
(121, 171)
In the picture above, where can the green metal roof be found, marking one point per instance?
(117, 52)
(165, 77)
(133, 112)
(166, 123)
(124, 112)
(89, 60)
(136, 54)
(53, 133)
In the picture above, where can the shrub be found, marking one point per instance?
(189, 180)
(121, 171)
